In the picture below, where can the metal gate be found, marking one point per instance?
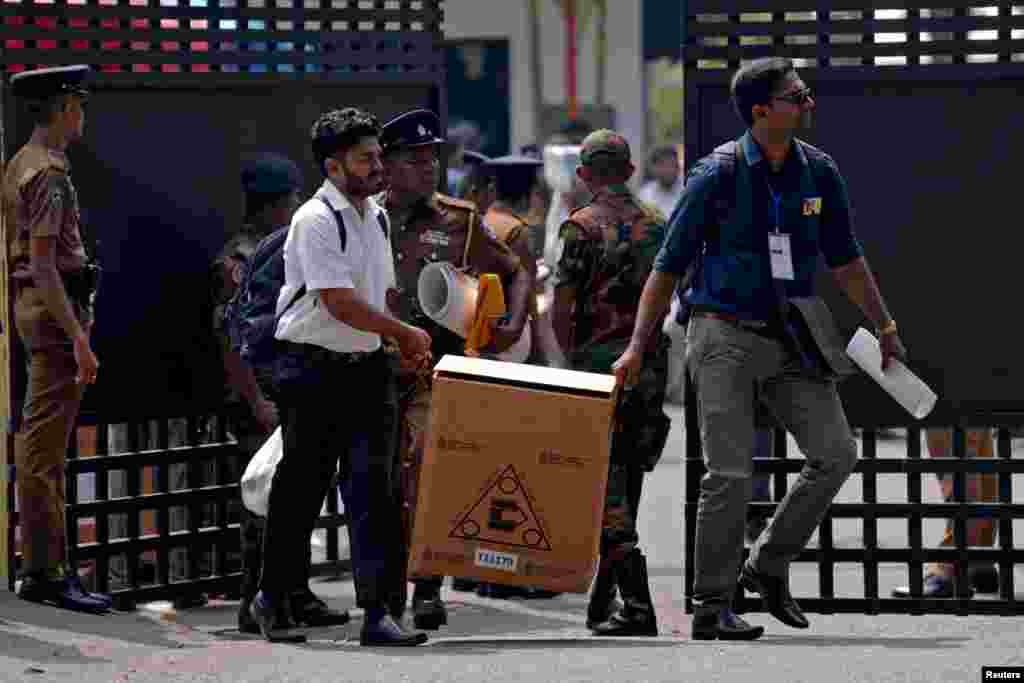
(187, 91)
(917, 105)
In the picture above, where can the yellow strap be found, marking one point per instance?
(490, 305)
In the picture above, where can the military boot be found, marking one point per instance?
(636, 618)
(602, 598)
(428, 610)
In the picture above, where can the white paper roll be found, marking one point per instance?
(448, 297)
(903, 385)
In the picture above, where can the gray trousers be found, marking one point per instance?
(730, 366)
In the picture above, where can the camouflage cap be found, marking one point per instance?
(604, 141)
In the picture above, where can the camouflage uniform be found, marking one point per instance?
(610, 246)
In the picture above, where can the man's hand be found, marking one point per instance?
(414, 343)
(85, 359)
(266, 415)
(891, 347)
(627, 368)
(505, 334)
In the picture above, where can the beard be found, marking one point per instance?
(363, 186)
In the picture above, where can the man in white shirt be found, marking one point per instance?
(667, 187)
(336, 381)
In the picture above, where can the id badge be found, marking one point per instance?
(782, 257)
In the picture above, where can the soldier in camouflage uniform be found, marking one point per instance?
(271, 184)
(426, 227)
(610, 246)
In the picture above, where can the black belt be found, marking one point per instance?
(320, 354)
(761, 327)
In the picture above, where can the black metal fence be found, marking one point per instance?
(869, 556)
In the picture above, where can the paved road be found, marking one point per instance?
(536, 641)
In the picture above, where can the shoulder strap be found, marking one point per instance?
(473, 220)
(342, 233)
(382, 218)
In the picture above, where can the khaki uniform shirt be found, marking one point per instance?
(39, 200)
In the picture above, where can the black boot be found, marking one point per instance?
(428, 610)
(636, 618)
(602, 597)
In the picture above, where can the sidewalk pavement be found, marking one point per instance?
(536, 641)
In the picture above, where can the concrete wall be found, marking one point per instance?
(624, 85)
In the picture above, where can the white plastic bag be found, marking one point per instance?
(259, 474)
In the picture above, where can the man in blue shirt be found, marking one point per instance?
(754, 217)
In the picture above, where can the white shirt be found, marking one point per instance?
(313, 256)
(665, 200)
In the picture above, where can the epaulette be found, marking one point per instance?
(507, 226)
(447, 201)
(41, 162)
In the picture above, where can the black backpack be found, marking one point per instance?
(250, 318)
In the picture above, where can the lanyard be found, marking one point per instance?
(777, 203)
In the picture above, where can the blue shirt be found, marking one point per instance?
(730, 227)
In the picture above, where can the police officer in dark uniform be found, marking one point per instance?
(271, 184)
(516, 182)
(427, 227)
(477, 186)
(610, 246)
(54, 286)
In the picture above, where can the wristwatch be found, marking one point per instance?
(890, 328)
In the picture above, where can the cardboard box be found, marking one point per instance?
(512, 485)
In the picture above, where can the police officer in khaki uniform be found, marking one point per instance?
(54, 286)
(426, 227)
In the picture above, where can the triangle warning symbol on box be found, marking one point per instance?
(503, 515)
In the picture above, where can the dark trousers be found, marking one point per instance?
(337, 414)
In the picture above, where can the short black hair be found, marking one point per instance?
(339, 130)
(662, 152)
(44, 112)
(756, 82)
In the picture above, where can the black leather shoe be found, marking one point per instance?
(934, 587)
(722, 624)
(775, 595)
(464, 585)
(308, 609)
(246, 624)
(67, 593)
(621, 624)
(984, 578)
(275, 621)
(76, 583)
(386, 633)
(429, 614)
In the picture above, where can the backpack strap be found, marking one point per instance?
(342, 233)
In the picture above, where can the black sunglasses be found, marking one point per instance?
(799, 98)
